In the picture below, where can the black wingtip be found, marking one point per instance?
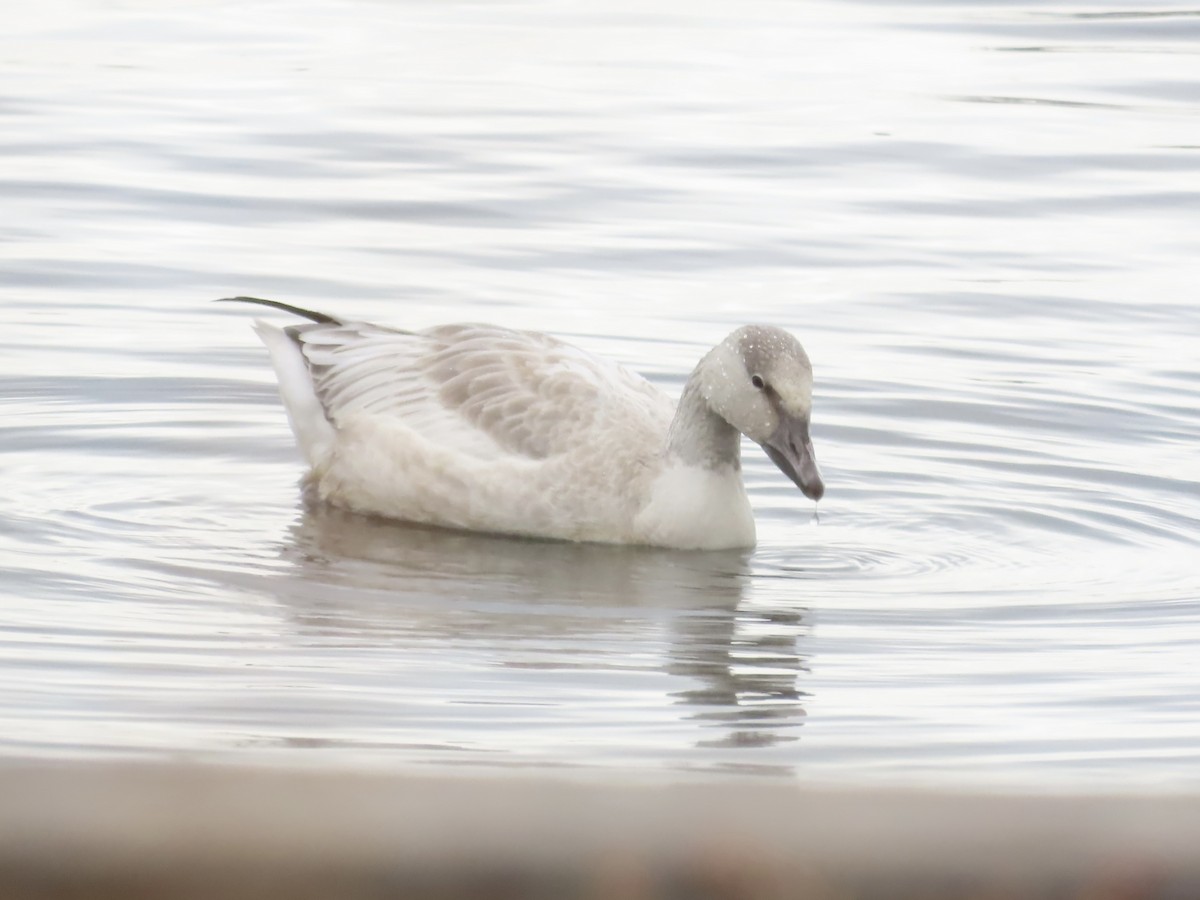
(318, 317)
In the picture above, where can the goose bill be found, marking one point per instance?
(790, 448)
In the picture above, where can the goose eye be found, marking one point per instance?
(757, 381)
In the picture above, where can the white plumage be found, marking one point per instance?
(484, 428)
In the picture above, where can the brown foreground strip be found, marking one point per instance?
(123, 832)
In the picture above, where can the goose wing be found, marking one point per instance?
(478, 389)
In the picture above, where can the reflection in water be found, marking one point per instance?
(557, 606)
(749, 663)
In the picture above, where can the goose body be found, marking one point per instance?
(484, 428)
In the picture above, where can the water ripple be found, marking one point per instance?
(993, 275)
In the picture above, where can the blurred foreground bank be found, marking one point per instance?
(120, 831)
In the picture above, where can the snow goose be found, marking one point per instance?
(484, 428)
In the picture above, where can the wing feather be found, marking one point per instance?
(477, 389)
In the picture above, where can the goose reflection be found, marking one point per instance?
(748, 663)
(537, 604)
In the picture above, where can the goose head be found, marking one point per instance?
(759, 380)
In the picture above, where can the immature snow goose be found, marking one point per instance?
(483, 428)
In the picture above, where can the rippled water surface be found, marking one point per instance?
(981, 219)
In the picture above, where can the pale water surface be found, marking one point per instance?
(982, 219)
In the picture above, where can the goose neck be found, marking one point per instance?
(699, 436)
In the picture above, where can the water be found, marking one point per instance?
(979, 218)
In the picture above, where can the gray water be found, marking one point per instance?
(980, 218)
